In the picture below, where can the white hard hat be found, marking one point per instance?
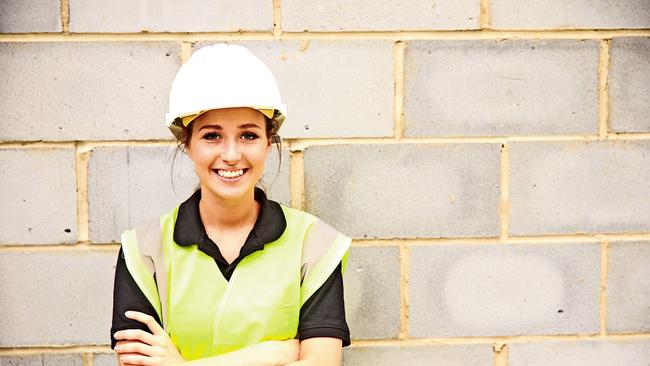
(223, 76)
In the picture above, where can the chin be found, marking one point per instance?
(228, 190)
(230, 193)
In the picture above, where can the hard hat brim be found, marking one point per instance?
(187, 119)
(177, 124)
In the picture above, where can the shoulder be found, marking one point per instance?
(145, 240)
(324, 249)
(154, 223)
(295, 214)
(169, 216)
(315, 227)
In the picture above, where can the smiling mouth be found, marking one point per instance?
(230, 174)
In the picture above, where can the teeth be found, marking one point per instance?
(230, 173)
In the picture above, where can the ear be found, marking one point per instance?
(188, 151)
(188, 138)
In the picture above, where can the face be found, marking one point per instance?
(229, 148)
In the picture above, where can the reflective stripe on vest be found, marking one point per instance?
(204, 314)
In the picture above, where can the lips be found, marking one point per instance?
(230, 174)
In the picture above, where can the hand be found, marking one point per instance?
(137, 347)
(279, 352)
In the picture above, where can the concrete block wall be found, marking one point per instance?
(490, 158)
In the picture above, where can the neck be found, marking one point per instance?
(226, 214)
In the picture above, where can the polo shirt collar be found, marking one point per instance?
(269, 226)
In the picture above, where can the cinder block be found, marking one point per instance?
(332, 88)
(447, 355)
(105, 359)
(581, 353)
(579, 187)
(628, 288)
(39, 199)
(124, 16)
(406, 190)
(25, 360)
(55, 359)
(56, 297)
(500, 87)
(52, 359)
(372, 292)
(129, 185)
(341, 15)
(629, 83)
(504, 290)
(578, 14)
(277, 176)
(30, 16)
(86, 90)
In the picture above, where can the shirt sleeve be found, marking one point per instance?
(323, 314)
(128, 296)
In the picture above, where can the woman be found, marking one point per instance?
(278, 272)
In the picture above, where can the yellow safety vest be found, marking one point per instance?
(206, 315)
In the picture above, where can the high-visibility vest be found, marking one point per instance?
(206, 315)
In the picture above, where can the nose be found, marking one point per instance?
(230, 152)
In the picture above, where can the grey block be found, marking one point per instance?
(26, 360)
(277, 176)
(341, 15)
(447, 355)
(86, 90)
(56, 297)
(581, 353)
(405, 191)
(629, 84)
(504, 290)
(129, 185)
(577, 14)
(124, 16)
(30, 16)
(628, 288)
(332, 88)
(579, 187)
(372, 292)
(39, 198)
(105, 359)
(56, 359)
(500, 87)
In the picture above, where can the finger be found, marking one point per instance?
(136, 347)
(122, 342)
(135, 335)
(135, 359)
(121, 357)
(149, 320)
(119, 345)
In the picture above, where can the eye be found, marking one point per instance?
(249, 136)
(211, 136)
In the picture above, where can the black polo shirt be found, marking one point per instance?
(322, 315)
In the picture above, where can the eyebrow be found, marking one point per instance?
(250, 125)
(244, 126)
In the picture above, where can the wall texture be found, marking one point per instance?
(491, 159)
